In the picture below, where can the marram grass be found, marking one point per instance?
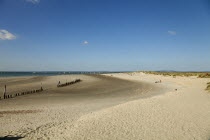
(183, 74)
(208, 86)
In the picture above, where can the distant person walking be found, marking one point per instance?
(59, 83)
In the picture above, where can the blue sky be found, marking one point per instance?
(95, 35)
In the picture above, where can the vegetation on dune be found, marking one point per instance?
(208, 86)
(174, 74)
(182, 74)
(204, 75)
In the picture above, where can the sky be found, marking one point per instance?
(104, 35)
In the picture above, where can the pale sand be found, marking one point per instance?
(51, 113)
(110, 108)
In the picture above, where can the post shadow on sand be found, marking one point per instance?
(10, 138)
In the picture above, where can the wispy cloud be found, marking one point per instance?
(33, 1)
(85, 42)
(5, 35)
(172, 32)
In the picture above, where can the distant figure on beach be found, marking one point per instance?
(158, 81)
(59, 83)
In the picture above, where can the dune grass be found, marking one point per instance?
(204, 75)
(208, 86)
(183, 74)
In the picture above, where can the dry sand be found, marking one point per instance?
(116, 106)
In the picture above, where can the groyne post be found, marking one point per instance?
(5, 91)
(41, 87)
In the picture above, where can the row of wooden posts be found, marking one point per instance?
(6, 96)
(68, 83)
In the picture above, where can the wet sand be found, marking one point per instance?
(52, 113)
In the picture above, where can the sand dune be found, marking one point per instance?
(115, 106)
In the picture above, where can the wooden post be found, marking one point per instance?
(5, 91)
(41, 87)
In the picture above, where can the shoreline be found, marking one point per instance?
(49, 73)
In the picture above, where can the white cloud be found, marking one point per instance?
(85, 42)
(172, 32)
(5, 35)
(33, 1)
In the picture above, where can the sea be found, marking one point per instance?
(51, 73)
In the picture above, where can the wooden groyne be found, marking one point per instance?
(6, 94)
(68, 83)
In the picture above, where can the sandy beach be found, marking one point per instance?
(110, 106)
(105, 70)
